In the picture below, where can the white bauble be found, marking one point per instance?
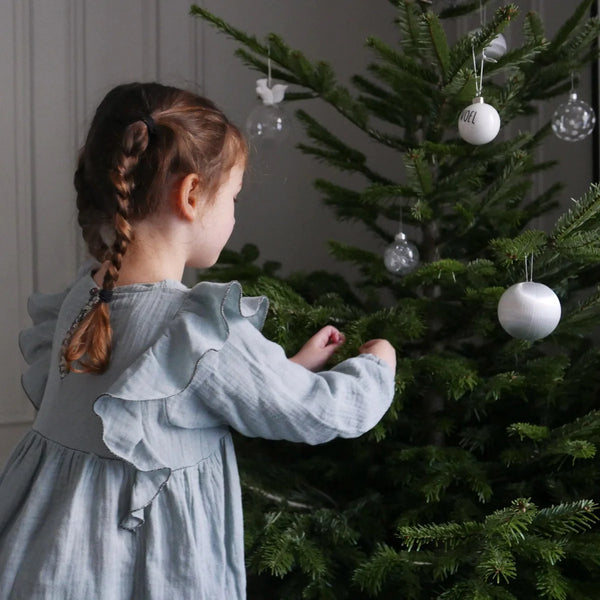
(529, 310)
(479, 123)
(496, 48)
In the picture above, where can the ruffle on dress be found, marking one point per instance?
(138, 427)
(36, 343)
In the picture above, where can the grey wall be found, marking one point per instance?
(57, 59)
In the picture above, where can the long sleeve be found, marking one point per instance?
(252, 386)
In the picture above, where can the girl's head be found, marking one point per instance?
(144, 138)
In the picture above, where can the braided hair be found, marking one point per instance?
(142, 135)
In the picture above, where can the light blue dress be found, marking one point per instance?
(127, 487)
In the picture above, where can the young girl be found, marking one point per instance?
(127, 487)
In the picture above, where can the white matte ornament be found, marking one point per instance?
(479, 123)
(401, 256)
(495, 49)
(529, 310)
(573, 121)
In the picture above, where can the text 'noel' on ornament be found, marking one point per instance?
(479, 123)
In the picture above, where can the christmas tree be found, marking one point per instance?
(481, 481)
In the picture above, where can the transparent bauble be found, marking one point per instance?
(574, 120)
(401, 256)
(267, 122)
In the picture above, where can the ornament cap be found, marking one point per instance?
(478, 100)
(572, 96)
(400, 236)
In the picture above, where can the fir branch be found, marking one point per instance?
(350, 205)
(331, 149)
(385, 105)
(452, 373)
(533, 29)
(402, 62)
(439, 43)
(441, 271)
(408, 19)
(414, 537)
(497, 564)
(581, 217)
(385, 564)
(570, 25)
(418, 172)
(550, 583)
(513, 522)
(518, 249)
(537, 433)
(583, 316)
(278, 499)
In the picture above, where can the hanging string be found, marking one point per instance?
(269, 65)
(478, 81)
(529, 268)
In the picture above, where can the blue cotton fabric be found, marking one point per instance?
(127, 486)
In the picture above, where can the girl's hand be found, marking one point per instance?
(382, 349)
(319, 348)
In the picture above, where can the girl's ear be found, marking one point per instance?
(187, 198)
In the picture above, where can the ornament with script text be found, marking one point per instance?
(479, 123)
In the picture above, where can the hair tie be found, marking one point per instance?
(103, 295)
(150, 124)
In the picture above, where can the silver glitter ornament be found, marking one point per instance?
(401, 256)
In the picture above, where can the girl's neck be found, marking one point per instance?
(150, 257)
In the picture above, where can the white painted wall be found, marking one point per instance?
(57, 59)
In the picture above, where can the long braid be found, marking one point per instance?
(90, 343)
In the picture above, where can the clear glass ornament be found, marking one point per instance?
(267, 122)
(574, 120)
(401, 256)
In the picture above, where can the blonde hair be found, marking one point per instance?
(142, 136)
